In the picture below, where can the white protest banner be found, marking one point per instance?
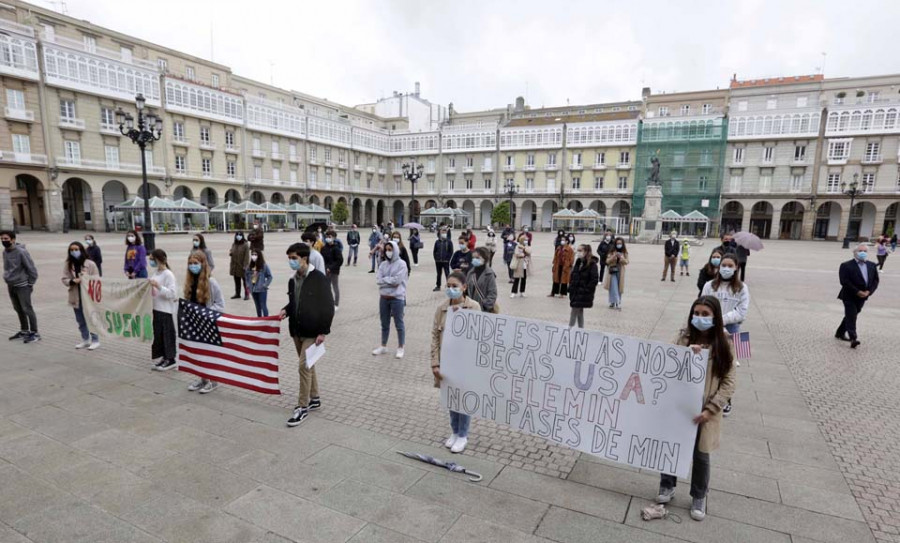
(118, 307)
(629, 400)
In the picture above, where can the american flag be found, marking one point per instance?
(234, 350)
(741, 345)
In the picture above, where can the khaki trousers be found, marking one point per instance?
(309, 385)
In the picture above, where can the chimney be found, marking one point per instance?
(520, 104)
(417, 89)
(645, 92)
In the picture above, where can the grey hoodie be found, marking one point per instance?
(18, 268)
(392, 275)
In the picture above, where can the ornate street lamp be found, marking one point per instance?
(853, 191)
(147, 130)
(412, 173)
(511, 190)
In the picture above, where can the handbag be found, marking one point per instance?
(496, 308)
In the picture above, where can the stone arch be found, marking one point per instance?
(114, 193)
(232, 195)
(277, 198)
(451, 204)
(356, 215)
(209, 197)
(430, 204)
(732, 216)
(397, 215)
(151, 188)
(548, 208)
(313, 199)
(487, 207)
(575, 205)
(182, 191)
(342, 200)
(469, 207)
(379, 212)
(296, 199)
(28, 197)
(828, 221)
(791, 222)
(257, 197)
(891, 218)
(862, 221)
(369, 213)
(599, 206)
(414, 210)
(761, 219)
(622, 210)
(76, 198)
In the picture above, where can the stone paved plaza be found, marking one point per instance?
(95, 447)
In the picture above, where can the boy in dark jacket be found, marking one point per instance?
(462, 259)
(20, 275)
(333, 254)
(443, 252)
(310, 310)
(353, 242)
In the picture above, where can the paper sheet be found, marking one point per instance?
(313, 354)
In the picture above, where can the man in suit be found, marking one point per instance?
(859, 279)
(671, 254)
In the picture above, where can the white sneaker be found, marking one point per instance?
(83, 344)
(399, 353)
(197, 385)
(336, 309)
(459, 445)
(521, 295)
(513, 295)
(209, 387)
(94, 346)
(379, 350)
(415, 265)
(450, 441)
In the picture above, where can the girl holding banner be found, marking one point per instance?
(456, 299)
(705, 330)
(76, 266)
(165, 304)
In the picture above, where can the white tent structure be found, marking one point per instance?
(312, 212)
(564, 219)
(692, 224)
(452, 213)
(163, 208)
(231, 208)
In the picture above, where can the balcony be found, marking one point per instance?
(313, 161)
(208, 145)
(109, 129)
(509, 168)
(468, 169)
(71, 123)
(23, 158)
(837, 160)
(382, 171)
(450, 169)
(872, 159)
(799, 161)
(16, 114)
(487, 169)
(181, 141)
(17, 28)
(530, 168)
(550, 167)
(370, 169)
(276, 155)
(258, 153)
(342, 165)
(84, 163)
(623, 166)
(357, 168)
(232, 149)
(599, 166)
(576, 167)
(327, 164)
(294, 158)
(429, 170)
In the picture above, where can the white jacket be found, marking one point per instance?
(734, 306)
(165, 298)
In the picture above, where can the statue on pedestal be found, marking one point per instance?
(654, 172)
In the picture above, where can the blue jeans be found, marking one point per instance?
(614, 296)
(353, 254)
(374, 261)
(392, 308)
(141, 274)
(459, 423)
(82, 325)
(733, 328)
(259, 300)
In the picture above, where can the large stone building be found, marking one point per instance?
(766, 155)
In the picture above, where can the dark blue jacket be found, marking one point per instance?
(852, 281)
(443, 250)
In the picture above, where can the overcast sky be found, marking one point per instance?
(481, 54)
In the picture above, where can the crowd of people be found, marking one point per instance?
(464, 272)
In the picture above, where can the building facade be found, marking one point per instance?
(770, 156)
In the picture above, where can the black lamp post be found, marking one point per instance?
(511, 190)
(412, 173)
(147, 130)
(853, 191)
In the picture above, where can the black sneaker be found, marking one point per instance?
(300, 415)
(726, 410)
(166, 365)
(314, 403)
(236, 297)
(19, 335)
(158, 365)
(436, 289)
(371, 271)
(32, 337)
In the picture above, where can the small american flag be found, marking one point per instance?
(741, 345)
(234, 350)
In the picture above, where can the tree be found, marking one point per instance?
(340, 213)
(500, 214)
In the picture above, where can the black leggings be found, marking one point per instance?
(442, 266)
(520, 282)
(237, 285)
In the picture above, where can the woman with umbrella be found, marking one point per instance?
(415, 242)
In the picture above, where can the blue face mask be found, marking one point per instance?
(454, 293)
(726, 273)
(76, 255)
(195, 268)
(153, 264)
(477, 262)
(715, 261)
(329, 240)
(702, 323)
(294, 264)
(196, 243)
(862, 255)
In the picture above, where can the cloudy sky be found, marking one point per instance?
(481, 54)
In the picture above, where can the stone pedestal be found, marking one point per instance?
(6, 211)
(651, 226)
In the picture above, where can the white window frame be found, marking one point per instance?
(685, 110)
(873, 151)
(703, 183)
(833, 183)
(293, 175)
(802, 101)
(736, 181)
(623, 182)
(178, 131)
(768, 155)
(67, 110)
(799, 153)
(663, 111)
(214, 79)
(229, 139)
(707, 109)
(796, 183)
(551, 159)
(276, 174)
(742, 105)
(90, 43)
(204, 134)
(162, 64)
(230, 169)
(624, 157)
(576, 183)
(189, 73)
(843, 144)
(257, 173)
(206, 167)
(180, 164)
(576, 159)
(111, 154)
(73, 152)
(598, 182)
(529, 184)
(21, 143)
(600, 159)
(765, 183)
(772, 103)
(868, 182)
(529, 159)
(15, 99)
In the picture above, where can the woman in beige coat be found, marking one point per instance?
(614, 282)
(76, 267)
(520, 264)
(705, 330)
(456, 300)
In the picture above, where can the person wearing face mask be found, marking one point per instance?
(135, 256)
(708, 272)
(391, 278)
(353, 244)
(470, 239)
(527, 233)
(671, 255)
(315, 257)
(199, 243)
(76, 267)
(334, 259)
(491, 245)
(520, 264)
(255, 237)
(731, 246)
(859, 280)
(462, 258)
(481, 281)
(374, 241)
(201, 288)
(509, 248)
(239, 260)
(563, 258)
(442, 253)
(415, 243)
(93, 252)
(685, 258)
(258, 278)
(704, 330)
(582, 285)
(165, 307)
(617, 260)
(310, 310)
(20, 275)
(456, 299)
(602, 250)
(397, 238)
(734, 296)
(560, 235)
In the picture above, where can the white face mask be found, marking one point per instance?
(253, 258)
(130, 239)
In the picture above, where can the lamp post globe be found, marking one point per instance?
(147, 130)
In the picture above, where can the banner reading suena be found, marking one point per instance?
(626, 399)
(118, 307)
